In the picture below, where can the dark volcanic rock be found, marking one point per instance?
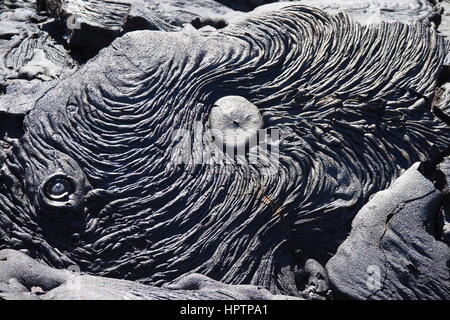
(196, 12)
(23, 278)
(88, 26)
(92, 25)
(95, 179)
(398, 247)
(444, 27)
(34, 55)
(9, 5)
(28, 55)
(370, 11)
(244, 5)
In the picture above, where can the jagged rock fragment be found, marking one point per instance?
(396, 249)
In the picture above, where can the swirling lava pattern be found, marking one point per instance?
(350, 102)
(374, 11)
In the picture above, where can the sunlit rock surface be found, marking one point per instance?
(399, 244)
(112, 122)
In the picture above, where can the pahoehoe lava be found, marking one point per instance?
(92, 180)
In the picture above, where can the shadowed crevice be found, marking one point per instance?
(11, 126)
